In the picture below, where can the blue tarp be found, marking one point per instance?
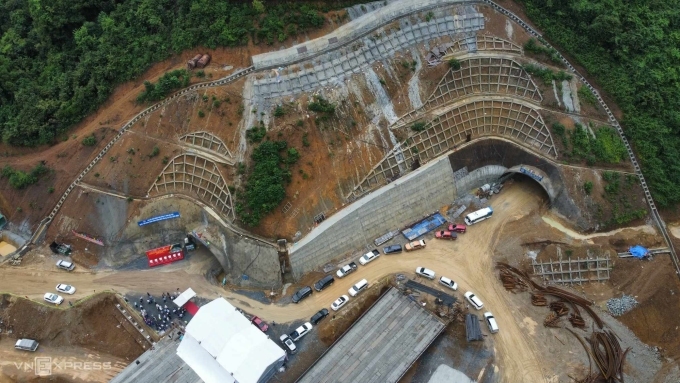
(424, 226)
(159, 218)
(638, 251)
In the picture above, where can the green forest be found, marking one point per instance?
(632, 50)
(61, 59)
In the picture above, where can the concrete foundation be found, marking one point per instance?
(393, 206)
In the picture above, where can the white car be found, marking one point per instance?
(370, 256)
(423, 272)
(337, 305)
(290, 345)
(448, 283)
(301, 331)
(474, 301)
(53, 298)
(358, 287)
(491, 322)
(66, 289)
(66, 265)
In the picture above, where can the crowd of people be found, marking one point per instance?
(157, 314)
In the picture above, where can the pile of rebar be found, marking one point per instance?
(608, 355)
(577, 320)
(524, 277)
(605, 349)
(552, 320)
(571, 298)
(511, 281)
(559, 307)
(538, 299)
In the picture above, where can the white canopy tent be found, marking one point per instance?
(183, 298)
(221, 345)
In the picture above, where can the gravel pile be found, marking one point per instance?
(620, 306)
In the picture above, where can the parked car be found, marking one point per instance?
(423, 272)
(66, 289)
(393, 249)
(66, 265)
(26, 345)
(474, 301)
(337, 305)
(301, 331)
(302, 294)
(369, 257)
(316, 318)
(260, 324)
(53, 298)
(290, 345)
(324, 282)
(445, 234)
(358, 287)
(344, 270)
(448, 283)
(457, 227)
(415, 245)
(491, 322)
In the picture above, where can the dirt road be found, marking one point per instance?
(467, 261)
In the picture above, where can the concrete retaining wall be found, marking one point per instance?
(347, 33)
(393, 206)
(479, 177)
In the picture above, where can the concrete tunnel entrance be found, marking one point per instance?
(490, 160)
(530, 173)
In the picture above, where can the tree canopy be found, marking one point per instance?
(61, 59)
(632, 49)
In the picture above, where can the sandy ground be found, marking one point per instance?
(675, 231)
(78, 364)
(6, 248)
(554, 222)
(467, 261)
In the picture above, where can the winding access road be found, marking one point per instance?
(468, 261)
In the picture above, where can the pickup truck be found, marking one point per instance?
(300, 331)
(457, 227)
(369, 257)
(344, 270)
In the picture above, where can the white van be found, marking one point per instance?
(478, 216)
(26, 345)
(358, 287)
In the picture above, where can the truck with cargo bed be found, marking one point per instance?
(347, 269)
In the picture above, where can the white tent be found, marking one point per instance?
(222, 346)
(183, 298)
